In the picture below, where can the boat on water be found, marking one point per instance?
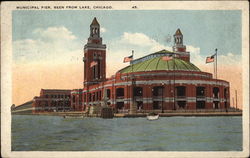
(152, 116)
(73, 116)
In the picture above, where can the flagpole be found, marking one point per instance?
(174, 81)
(216, 62)
(132, 60)
(132, 85)
(214, 70)
(236, 98)
(134, 79)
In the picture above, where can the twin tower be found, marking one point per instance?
(95, 54)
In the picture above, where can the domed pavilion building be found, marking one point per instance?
(164, 80)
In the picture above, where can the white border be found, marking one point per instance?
(6, 67)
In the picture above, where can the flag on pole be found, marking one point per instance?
(93, 63)
(167, 58)
(128, 59)
(210, 59)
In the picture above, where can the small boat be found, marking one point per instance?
(73, 116)
(153, 116)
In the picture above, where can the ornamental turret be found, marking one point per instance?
(179, 48)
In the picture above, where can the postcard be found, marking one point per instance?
(125, 79)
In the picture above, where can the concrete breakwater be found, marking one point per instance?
(125, 115)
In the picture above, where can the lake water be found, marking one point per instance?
(54, 133)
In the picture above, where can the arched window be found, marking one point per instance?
(138, 91)
(216, 91)
(108, 93)
(89, 97)
(200, 91)
(157, 91)
(225, 93)
(120, 92)
(181, 91)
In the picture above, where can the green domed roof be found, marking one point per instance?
(157, 63)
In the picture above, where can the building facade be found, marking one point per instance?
(150, 82)
(164, 80)
(52, 100)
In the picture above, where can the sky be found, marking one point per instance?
(48, 45)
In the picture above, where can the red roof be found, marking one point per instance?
(178, 32)
(94, 22)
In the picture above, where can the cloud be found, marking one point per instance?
(142, 40)
(58, 45)
(229, 59)
(195, 56)
(55, 33)
(51, 45)
(122, 46)
(103, 30)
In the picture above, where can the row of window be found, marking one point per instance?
(157, 105)
(57, 96)
(180, 91)
(95, 96)
(54, 103)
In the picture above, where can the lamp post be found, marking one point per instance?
(162, 102)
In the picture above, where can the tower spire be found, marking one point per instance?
(95, 22)
(178, 32)
(94, 37)
(178, 38)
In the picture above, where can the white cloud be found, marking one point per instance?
(229, 59)
(55, 33)
(142, 40)
(195, 56)
(103, 30)
(60, 45)
(139, 39)
(51, 45)
(123, 46)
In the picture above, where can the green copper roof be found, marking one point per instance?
(158, 64)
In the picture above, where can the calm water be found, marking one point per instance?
(47, 133)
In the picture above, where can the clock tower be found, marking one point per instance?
(94, 57)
